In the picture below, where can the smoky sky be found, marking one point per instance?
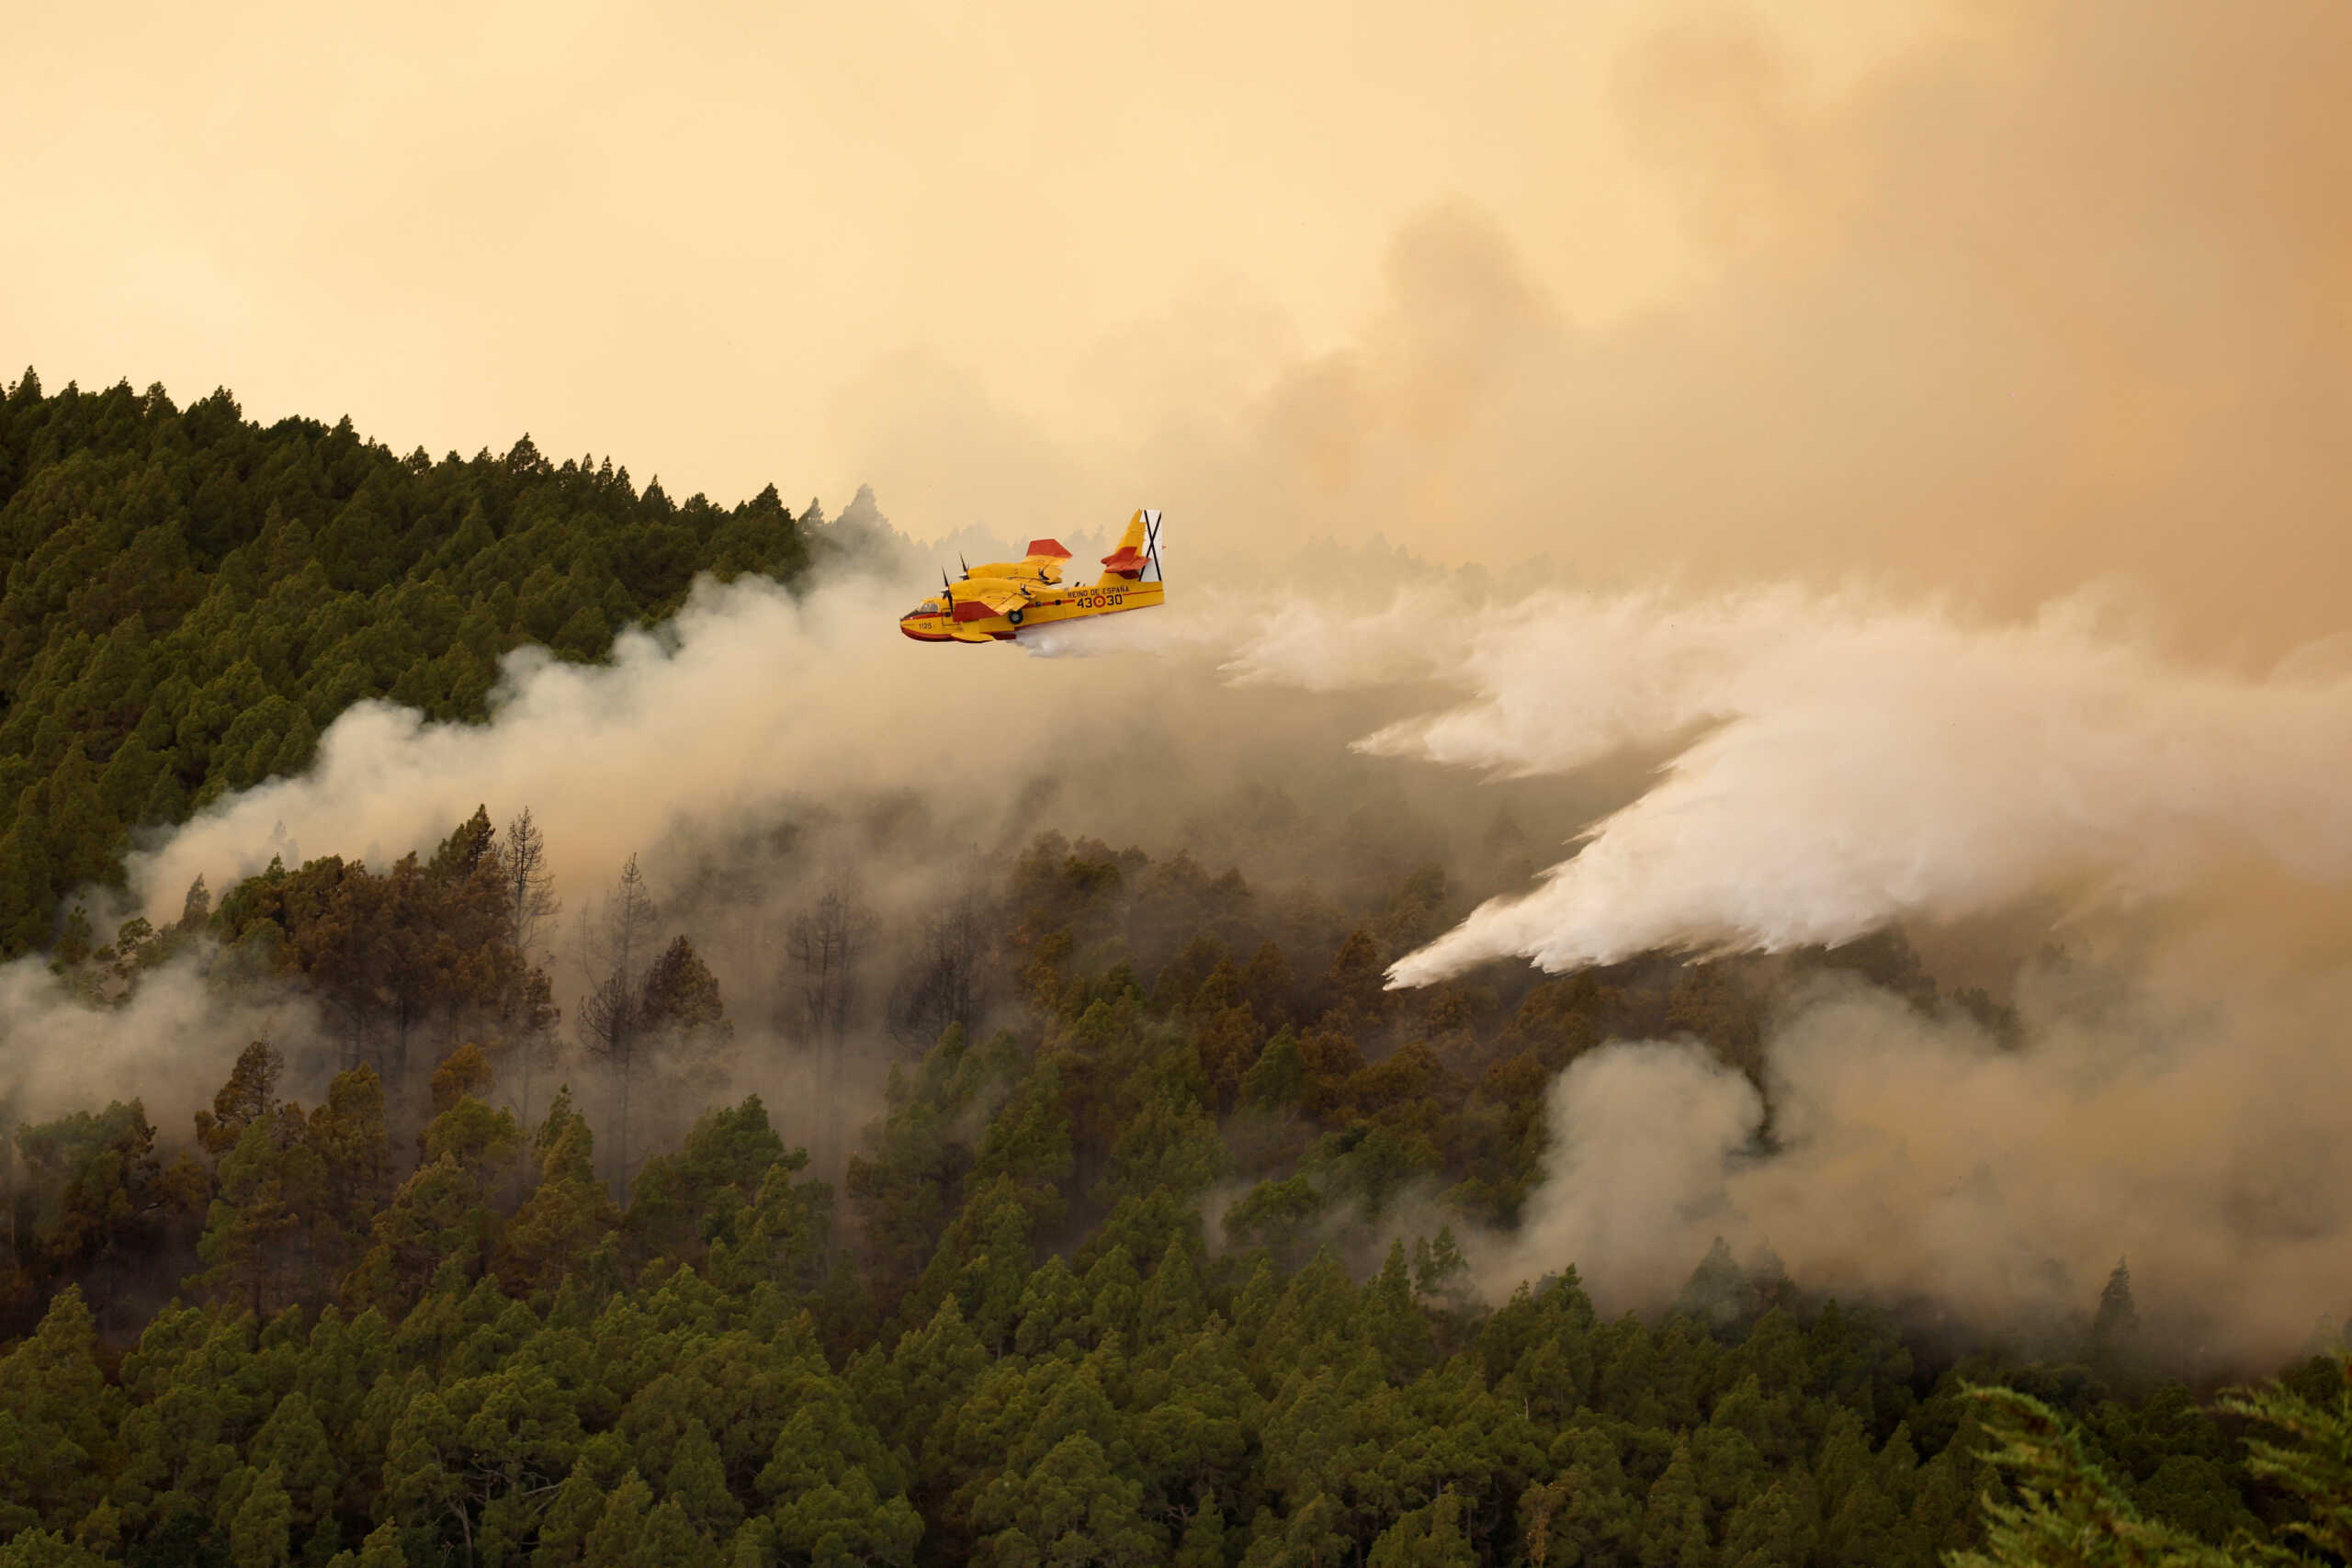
(2051, 298)
(687, 238)
(1988, 298)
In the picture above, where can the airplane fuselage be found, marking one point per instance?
(969, 619)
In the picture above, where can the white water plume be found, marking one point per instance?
(1846, 763)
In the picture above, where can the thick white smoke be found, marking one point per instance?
(1644, 1137)
(168, 1044)
(750, 696)
(1920, 1159)
(1845, 765)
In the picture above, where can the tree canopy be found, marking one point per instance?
(191, 598)
(1091, 1288)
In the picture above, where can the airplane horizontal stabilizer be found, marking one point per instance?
(1126, 562)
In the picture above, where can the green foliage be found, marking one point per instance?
(44, 1548)
(2315, 1466)
(191, 598)
(55, 1411)
(2072, 1509)
(533, 1377)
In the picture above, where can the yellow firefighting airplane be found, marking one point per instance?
(996, 600)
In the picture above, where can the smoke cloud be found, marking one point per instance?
(169, 1044)
(1918, 1161)
(2015, 369)
(1642, 1135)
(749, 693)
(2051, 297)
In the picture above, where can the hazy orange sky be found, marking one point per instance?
(679, 233)
(1991, 297)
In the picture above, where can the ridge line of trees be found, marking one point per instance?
(188, 599)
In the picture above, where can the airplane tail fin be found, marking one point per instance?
(1137, 558)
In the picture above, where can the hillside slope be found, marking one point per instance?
(191, 597)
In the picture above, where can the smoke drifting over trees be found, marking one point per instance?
(1834, 766)
(1829, 768)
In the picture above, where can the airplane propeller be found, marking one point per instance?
(965, 564)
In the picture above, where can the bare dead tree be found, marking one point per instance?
(529, 885)
(823, 945)
(941, 984)
(532, 1042)
(528, 890)
(614, 949)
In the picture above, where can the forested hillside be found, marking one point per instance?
(1143, 1224)
(190, 598)
(1097, 1288)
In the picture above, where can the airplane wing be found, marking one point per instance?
(975, 602)
(1046, 557)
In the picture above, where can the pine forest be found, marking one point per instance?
(1163, 1231)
